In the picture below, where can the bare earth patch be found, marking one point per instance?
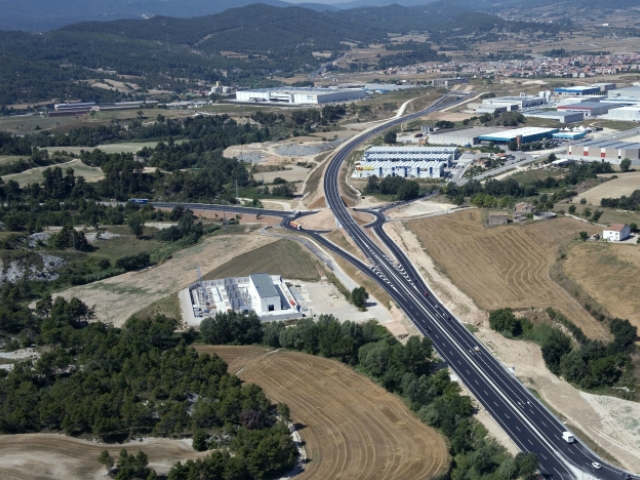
(506, 266)
(41, 456)
(116, 299)
(353, 429)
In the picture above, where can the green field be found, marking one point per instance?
(284, 257)
(129, 147)
(34, 175)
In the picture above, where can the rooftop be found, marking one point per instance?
(610, 144)
(524, 132)
(410, 149)
(426, 156)
(616, 227)
(548, 113)
(316, 90)
(264, 285)
(584, 105)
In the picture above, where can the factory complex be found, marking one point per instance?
(267, 295)
(300, 95)
(611, 151)
(521, 135)
(407, 162)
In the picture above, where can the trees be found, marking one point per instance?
(408, 191)
(136, 224)
(625, 165)
(572, 209)
(107, 460)
(390, 137)
(359, 297)
(232, 328)
(584, 236)
(199, 441)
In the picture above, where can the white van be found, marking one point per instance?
(568, 437)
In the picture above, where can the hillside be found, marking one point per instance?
(159, 51)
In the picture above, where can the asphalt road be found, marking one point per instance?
(530, 425)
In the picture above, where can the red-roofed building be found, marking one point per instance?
(616, 232)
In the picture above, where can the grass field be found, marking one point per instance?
(609, 274)
(8, 159)
(34, 175)
(352, 428)
(506, 266)
(48, 456)
(625, 184)
(283, 257)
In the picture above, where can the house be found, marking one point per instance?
(500, 218)
(523, 208)
(616, 232)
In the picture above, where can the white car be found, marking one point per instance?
(596, 465)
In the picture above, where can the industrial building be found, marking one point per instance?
(409, 168)
(626, 94)
(406, 153)
(558, 116)
(629, 113)
(267, 295)
(518, 103)
(446, 82)
(524, 135)
(300, 96)
(570, 134)
(594, 89)
(589, 109)
(611, 151)
(463, 137)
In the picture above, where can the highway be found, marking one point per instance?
(530, 425)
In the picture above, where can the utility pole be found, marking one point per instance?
(237, 196)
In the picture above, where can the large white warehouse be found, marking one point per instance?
(300, 96)
(629, 113)
(408, 169)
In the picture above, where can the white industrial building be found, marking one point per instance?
(616, 232)
(462, 137)
(405, 169)
(518, 103)
(626, 94)
(611, 151)
(425, 154)
(300, 96)
(629, 113)
(267, 295)
(558, 116)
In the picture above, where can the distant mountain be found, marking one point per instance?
(43, 15)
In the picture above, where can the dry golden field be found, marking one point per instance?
(505, 266)
(42, 456)
(625, 184)
(352, 428)
(609, 274)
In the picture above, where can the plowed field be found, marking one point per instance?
(42, 456)
(505, 266)
(352, 428)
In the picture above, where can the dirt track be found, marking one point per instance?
(353, 428)
(505, 266)
(43, 456)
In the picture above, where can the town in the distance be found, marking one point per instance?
(361, 240)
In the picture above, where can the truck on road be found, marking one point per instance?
(568, 437)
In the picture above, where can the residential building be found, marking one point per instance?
(499, 218)
(616, 232)
(523, 208)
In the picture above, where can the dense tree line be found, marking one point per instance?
(590, 364)
(399, 187)
(401, 369)
(632, 202)
(494, 192)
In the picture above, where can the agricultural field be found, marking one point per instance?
(352, 428)
(609, 274)
(283, 257)
(42, 456)
(507, 266)
(625, 184)
(117, 298)
(34, 175)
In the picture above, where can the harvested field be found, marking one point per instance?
(283, 257)
(352, 428)
(506, 266)
(609, 274)
(116, 299)
(129, 147)
(625, 184)
(34, 175)
(42, 456)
